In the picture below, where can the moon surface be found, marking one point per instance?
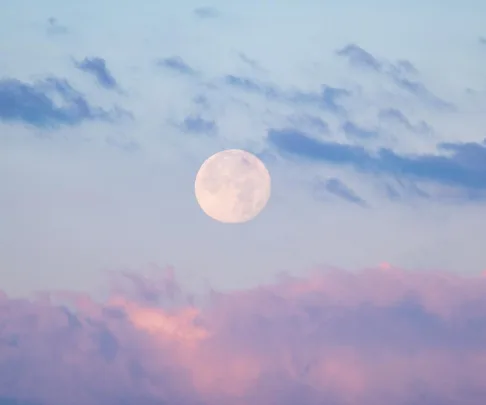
(232, 186)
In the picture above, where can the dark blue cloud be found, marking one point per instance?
(328, 98)
(206, 12)
(464, 166)
(354, 131)
(471, 154)
(177, 64)
(196, 124)
(32, 104)
(294, 142)
(97, 68)
(338, 188)
(358, 57)
(246, 84)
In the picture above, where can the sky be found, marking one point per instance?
(366, 265)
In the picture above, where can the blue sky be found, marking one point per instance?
(369, 116)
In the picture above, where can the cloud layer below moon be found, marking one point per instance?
(376, 337)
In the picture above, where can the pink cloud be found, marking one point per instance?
(377, 337)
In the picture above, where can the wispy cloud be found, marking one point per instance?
(97, 68)
(358, 57)
(328, 98)
(177, 64)
(55, 28)
(311, 122)
(254, 86)
(339, 189)
(354, 131)
(396, 117)
(418, 89)
(402, 74)
(250, 62)
(206, 12)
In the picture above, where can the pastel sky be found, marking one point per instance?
(370, 116)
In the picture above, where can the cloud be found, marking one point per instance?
(250, 62)
(463, 166)
(176, 63)
(328, 98)
(418, 89)
(253, 86)
(97, 68)
(206, 12)
(354, 131)
(482, 40)
(55, 28)
(338, 188)
(404, 67)
(391, 192)
(294, 142)
(312, 122)
(401, 189)
(196, 124)
(358, 57)
(399, 73)
(380, 336)
(34, 104)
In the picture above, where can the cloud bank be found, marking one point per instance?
(377, 337)
(37, 104)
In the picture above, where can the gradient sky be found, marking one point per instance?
(369, 115)
(359, 284)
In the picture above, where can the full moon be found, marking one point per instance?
(232, 186)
